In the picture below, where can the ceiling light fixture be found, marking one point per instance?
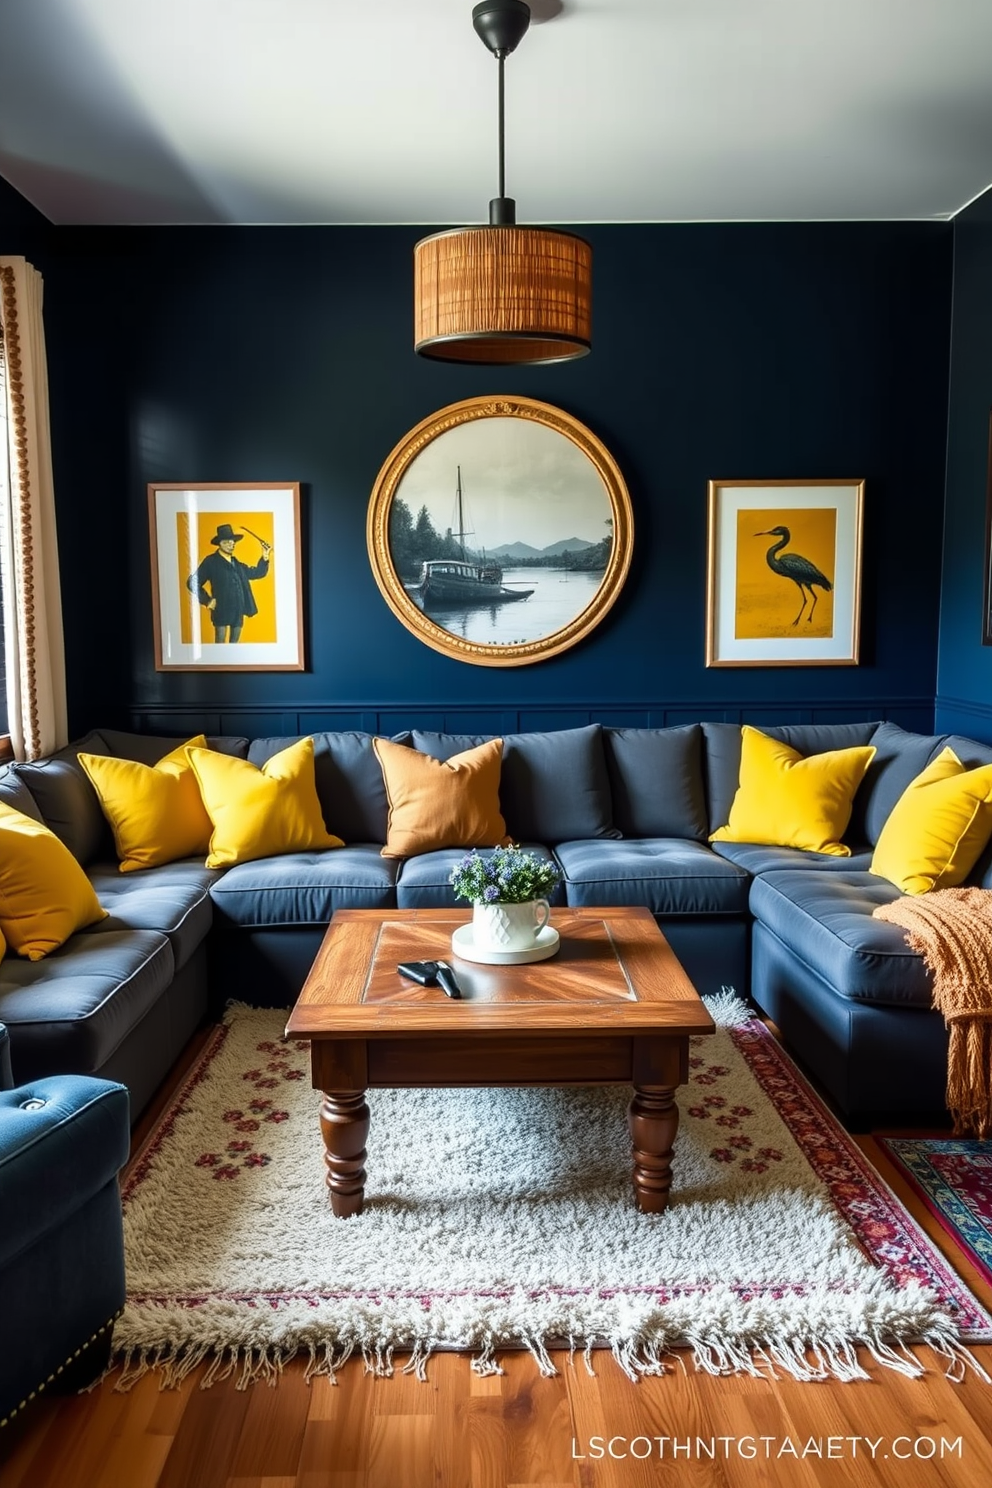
(502, 294)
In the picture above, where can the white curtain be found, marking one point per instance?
(35, 651)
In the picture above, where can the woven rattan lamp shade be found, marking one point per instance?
(503, 295)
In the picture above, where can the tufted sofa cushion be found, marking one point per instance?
(96, 988)
(304, 888)
(423, 881)
(757, 858)
(174, 899)
(825, 919)
(667, 875)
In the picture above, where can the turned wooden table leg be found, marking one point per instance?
(654, 1119)
(344, 1124)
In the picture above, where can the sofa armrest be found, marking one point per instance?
(61, 1140)
(6, 1076)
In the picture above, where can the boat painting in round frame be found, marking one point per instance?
(500, 531)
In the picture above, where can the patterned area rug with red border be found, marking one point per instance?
(953, 1177)
(506, 1219)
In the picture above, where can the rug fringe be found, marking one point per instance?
(539, 1352)
(807, 1361)
(959, 1358)
(485, 1362)
(727, 1009)
(417, 1362)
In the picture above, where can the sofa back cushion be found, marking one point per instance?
(899, 758)
(554, 787)
(148, 749)
(13, 792)
(69, 805)
(973, 754)
(350, 787)
(722, 756)
(656, 781)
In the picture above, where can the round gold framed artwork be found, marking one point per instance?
(500, 531)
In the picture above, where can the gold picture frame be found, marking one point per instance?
(201, 622)
(549, 520)
(784, 573)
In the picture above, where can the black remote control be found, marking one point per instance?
(446, 980)
(424, 972)
(431, 974)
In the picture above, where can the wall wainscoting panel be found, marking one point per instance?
(911, 713)
(958, 716)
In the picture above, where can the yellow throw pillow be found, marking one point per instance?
(935, 833)
(785, 800)
(44, 894)
(259, 813)
(155, 811)
(435, 803)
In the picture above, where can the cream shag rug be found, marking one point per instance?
(500, 1218)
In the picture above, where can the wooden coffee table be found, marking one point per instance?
(613, 1007)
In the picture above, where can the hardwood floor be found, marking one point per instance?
(462, 1431)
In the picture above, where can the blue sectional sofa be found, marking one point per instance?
(626, 812)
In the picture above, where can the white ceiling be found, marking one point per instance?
(384, 111)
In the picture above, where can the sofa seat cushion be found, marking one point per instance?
(757, 858)
(424, 880)
(173, 899)
(671, 876)
(825, 919)
(305, 888)
(71, 1011)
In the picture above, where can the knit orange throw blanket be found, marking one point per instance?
(952, 930)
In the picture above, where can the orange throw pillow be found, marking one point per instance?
(435, 803)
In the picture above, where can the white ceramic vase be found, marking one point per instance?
(509, 927)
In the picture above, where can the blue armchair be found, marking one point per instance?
(63, 1141)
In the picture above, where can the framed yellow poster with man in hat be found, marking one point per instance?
(226, 579)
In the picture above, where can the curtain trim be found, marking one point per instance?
(21, 546)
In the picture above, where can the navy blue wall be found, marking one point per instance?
(734, 352)
(23, 229)
(964, 678)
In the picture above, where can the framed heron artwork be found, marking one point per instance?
(784, 573)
